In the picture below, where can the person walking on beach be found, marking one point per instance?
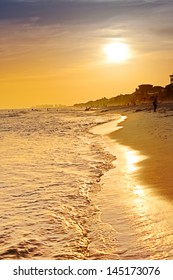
(155, 103)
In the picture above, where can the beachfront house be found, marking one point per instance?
(146, 88)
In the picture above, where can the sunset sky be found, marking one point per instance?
(53, 51)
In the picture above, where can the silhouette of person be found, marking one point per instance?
(155, 103)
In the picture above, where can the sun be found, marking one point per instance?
(116, 52)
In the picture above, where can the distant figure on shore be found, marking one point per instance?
(155, 103)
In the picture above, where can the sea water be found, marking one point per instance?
(49, 165)
(66, 195)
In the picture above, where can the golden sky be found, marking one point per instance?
(52, 51)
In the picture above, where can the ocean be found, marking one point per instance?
(65, 195)
(50, 163)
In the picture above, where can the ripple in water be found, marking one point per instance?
(51, 165)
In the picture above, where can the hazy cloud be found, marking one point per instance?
(142, 20)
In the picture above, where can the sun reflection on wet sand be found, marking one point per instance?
(140, 218)
(138, 190)
(133, 158)
(129, 159)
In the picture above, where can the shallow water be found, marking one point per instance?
(55, 202)
(49, 164)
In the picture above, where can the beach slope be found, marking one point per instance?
(152, 135)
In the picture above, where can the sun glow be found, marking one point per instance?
(117, 52)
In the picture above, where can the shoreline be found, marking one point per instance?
(101, 209)
(152, 135)
(136, 198)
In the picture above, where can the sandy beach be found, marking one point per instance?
(137, 194)
(152, 135)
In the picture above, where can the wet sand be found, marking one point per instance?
(136, 196)
(152, 135)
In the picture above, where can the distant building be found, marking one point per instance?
(146, 88)
(171, 79)
(158, 89)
